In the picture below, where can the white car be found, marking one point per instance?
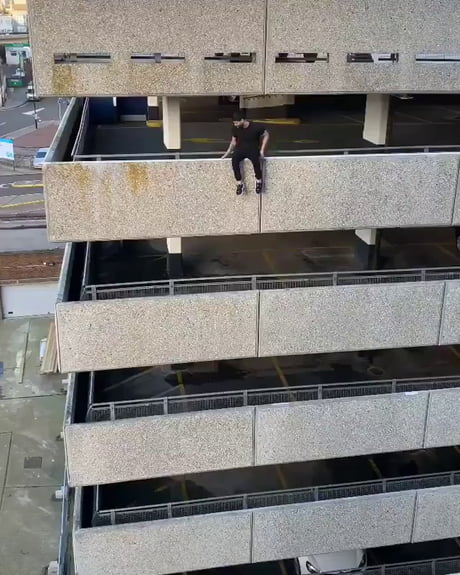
(339, 562)
(39, 158)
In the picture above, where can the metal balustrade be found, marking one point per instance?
(262, 282)
(111, 411)
(270, 499)
(442, 566)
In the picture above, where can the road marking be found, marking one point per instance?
(2, 123)
(375, 468)
(270, 262)
(180, 381)
(303, 141)
(32, 112)
(279, 371)
(184, 489)
(279, 121)
(283, 568)
(163, 487)
(281, 477)
(22, 204)
(454, 351)
(27, 185)
(457, 449)
(154, 123)
(204, 140)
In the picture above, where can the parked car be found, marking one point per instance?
(31, 95)
(39, 158)
(351, 561)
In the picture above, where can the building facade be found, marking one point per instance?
(205, 336)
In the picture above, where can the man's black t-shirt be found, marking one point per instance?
(248, 139)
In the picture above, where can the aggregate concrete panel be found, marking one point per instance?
(348, 318)
(113, 334)
(159, 446)
(150, 199)
(167, 546)
(423, 26)
(192, 30)
(443, 421)
(336, 525)
(437, 514)
(352, 192)
(450, 326)
(340, 428)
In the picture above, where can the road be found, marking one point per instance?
(20, 185)
(22, 117)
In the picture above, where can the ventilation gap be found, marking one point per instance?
(438, 58)
(372, 57)
(240, 57)
(301, 57)
(157, 58)
(79, 58)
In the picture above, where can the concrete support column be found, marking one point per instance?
(171, 123)
(367, 248)
(376, 119)
(153, 108)
(175, 266)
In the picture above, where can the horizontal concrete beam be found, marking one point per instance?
(348, 318)
(89, 201)
(325, 26)
(162, 547)
(145, 447)
(139, 448)
(70, 27)
(268, 534)
(114, 334)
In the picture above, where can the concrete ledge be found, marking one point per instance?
(443, 422)
(162, 547)
(144, 29)
(340, 428)
(336, 525)
(450, 325)
(347, 318)
(351, 192)
(146, 447)
(88, 201)
(325, 26)
(118, 333)
(437, 515)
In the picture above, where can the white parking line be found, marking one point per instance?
(32, 112)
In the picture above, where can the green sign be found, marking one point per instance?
(22, 45)
(15, 82)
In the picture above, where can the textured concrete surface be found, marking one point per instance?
(443, 421)
(340, 428)
(159, 446)
(437, 515)
(31, 415)
(450, 326)
(152, 199)
(326, 26)
(321, 527)
(175, 27)
(349, 192)
(146, 331)
(346, 318)
(169, 546)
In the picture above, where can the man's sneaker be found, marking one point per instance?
(259, 186)
(240, 189)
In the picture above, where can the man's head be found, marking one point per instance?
(238, 119)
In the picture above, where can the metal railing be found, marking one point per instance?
(79, 143)
(77, 157)
(272, 498)
(442, 566)
(111, 411)
(263, 282)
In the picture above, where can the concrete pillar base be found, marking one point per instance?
(376, 119)
(367, 248)
(153, 108)
(171, 123)
(252, 102)
(174, 263)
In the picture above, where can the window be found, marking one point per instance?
(372, 57)
(87, 58)
(301, 57)
(157, 58)
(233, 57)
(438, 58)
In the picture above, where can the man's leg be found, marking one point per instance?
(237, 158)
(257, 164)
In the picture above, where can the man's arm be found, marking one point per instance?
(263, 147)
(230, 148)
